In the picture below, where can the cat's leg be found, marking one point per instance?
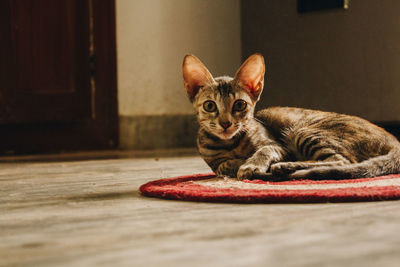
(258, 165)
(285, 168)
(229, 167)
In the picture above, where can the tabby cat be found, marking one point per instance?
(287, 142)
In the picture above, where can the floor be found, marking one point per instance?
(58, 211)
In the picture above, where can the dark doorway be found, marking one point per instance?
(57, 75)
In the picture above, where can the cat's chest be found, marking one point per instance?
(240, 147)
(246, 147)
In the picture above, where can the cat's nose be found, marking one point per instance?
(225, 124)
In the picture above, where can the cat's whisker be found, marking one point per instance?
(257, 120)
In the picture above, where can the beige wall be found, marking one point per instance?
(152, 38)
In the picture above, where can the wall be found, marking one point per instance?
(152, 38)
(343, 60)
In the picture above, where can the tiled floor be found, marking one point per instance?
(61, 212)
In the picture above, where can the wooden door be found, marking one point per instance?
(57, 75)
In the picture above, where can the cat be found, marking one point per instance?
(280, 142)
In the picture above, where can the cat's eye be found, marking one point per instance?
(239, 105)
(209, 106)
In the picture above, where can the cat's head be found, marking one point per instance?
(223, 105)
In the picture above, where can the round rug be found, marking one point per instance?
(209, 188)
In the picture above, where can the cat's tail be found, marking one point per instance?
(373, 167)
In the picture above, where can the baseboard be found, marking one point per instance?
(158, 131)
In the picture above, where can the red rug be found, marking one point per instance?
(208, 188)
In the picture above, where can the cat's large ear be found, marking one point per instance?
(195, 75)
(250, 75)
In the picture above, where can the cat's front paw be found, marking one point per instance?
(251, 171)
(228, 168)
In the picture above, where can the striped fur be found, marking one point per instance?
(287, 142)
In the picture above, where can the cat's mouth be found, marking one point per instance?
(227, 133)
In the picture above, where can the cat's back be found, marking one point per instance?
(278, 118)
(352, 133)
(285, 114)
